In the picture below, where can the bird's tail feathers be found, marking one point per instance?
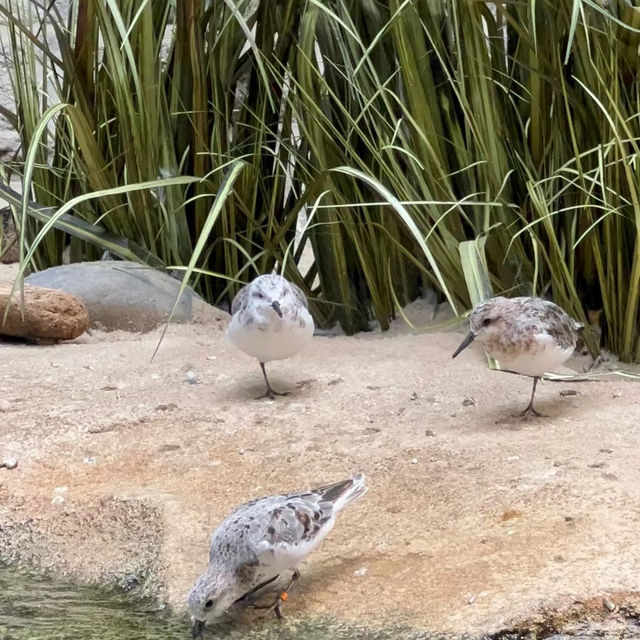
(345, 492)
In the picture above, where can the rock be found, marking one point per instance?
(48, 314)
(59, 495)
(191, 377)
(9, 463)
(127, 296)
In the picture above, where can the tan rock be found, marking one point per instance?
(48, 314)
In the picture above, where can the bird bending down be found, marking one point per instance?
(526, 335)
(262, 539)
(270, 320)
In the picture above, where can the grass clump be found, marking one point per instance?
(193, 135)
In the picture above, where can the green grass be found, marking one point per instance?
(401, 128)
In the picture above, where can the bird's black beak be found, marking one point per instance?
(465, 343)
(197, 628)
(276, 307)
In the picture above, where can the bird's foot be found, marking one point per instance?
(272, 393)
(276, 606)
(528, 412)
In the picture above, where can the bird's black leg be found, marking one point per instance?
(270, 392)
(246, 598)
(276, 607)
(530, 410)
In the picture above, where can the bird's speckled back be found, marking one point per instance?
(527, 315)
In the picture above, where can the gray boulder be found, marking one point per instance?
(127, 296)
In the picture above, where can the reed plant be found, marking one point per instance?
(226, 138)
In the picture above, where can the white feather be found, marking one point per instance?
(545, 356)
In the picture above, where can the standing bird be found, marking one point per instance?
(528, 335)
(270, 321)
(262, 539)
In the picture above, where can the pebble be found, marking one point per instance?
(59, 495)
(358, 573)
(192, 378)
(429, 433)
(608, 604)
(171, 406)
(9, 463)
(89, 460)
(469, 402)
(414, 460)
(569, 392)
(168, 447)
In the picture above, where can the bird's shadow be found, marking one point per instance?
(254, 390)
(510, 414)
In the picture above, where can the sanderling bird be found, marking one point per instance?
(270, 321)
(262, 539)
(526, 335)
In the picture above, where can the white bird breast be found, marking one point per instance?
(276, 340)
(284, 556)
(545, 357)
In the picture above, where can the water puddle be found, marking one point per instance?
(34, 608)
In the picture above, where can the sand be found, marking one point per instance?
(475, 520)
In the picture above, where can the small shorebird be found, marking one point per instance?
(262, 539)
(527, 335)
(270, 321)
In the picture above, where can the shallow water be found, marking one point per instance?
(36, 608)
(39, 609)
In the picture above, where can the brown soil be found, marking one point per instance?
(474, 519)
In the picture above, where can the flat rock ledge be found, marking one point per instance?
(48, 314)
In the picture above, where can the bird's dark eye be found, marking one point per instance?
(208, 604)
(486, 322)
(258, 294)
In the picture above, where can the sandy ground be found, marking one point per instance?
(475, 520)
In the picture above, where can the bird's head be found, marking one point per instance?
(272, 295)
(211, 595)
(485, 322)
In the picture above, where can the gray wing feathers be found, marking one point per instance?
(296, 520)
(299, 517)
(299, 294)
(239, 300)
(552, 318)
(288, 520)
